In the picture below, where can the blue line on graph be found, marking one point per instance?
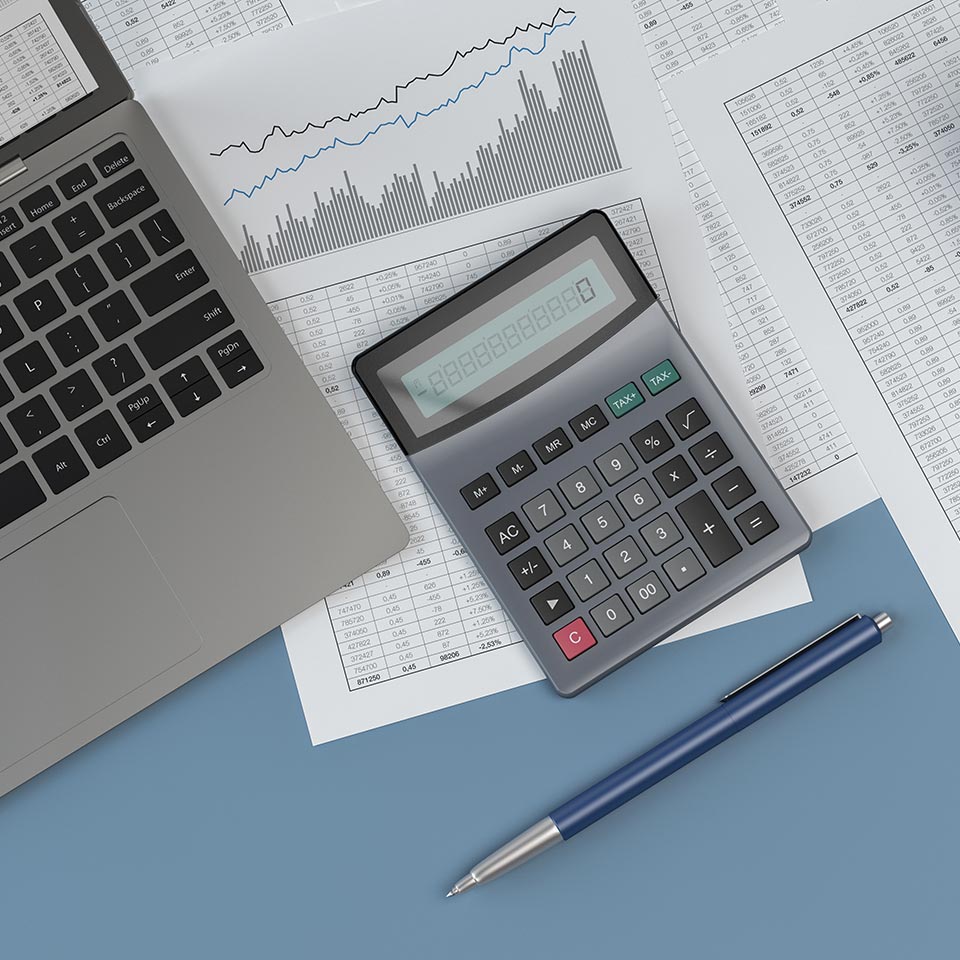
(248, 194)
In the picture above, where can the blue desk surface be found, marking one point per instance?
(209, 827)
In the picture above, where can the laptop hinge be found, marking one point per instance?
(12, 169)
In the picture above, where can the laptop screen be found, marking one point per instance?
(41, 70)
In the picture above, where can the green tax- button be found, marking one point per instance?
(624, 399)
(663, 375)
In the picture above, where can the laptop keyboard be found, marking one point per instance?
(110, 330)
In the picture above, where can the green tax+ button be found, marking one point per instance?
(663, 375)
(625, 399)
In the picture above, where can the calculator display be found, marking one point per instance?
(508, 338)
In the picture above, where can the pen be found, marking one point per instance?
(738, 709)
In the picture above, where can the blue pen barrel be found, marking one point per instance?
(753, 702)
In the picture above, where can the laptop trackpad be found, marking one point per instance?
(85, 618)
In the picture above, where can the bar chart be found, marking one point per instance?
(559, 134)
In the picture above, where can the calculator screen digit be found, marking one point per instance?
(512, 335)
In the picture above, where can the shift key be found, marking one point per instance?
(171, 281)
(184, 329)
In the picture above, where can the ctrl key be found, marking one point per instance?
(574, 638)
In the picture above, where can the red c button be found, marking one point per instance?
(574, 638)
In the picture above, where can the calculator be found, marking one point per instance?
(577, 447)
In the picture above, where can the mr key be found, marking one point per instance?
(595, 474)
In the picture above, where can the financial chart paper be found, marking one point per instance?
(41, 71)
(354, 214)
(854, 144)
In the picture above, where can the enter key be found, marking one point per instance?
(703, 520)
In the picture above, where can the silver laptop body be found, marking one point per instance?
(172, 483)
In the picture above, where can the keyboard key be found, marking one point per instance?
(602, 522)
(19, 494)
(625, 399)
(61, 465)
(35, 252)
(183, 330)
(40, 305)
(647, 592)
(76, 395)
(615, 464)
(113, 159)
(7, 447)
(652, 441)
(123, 255)
(710, 454)
(674, 476)
(103, 439)
(161, 233)
(10, 332)
(10, 223)
(239, 369)
(506, 533)
(529, 568)
(661, 534)
(114, 316)
(33, 421)
(128, 197)
(77, 181)
(6, 394)
(138, 404)
(574, 638)
(183, 376)
(224, 351)
(624, 557)
(82, 280)
(579, 487)
(543, 510)
(588, 580)
(703, 520)
(72, 341)
(638, 499)
(516, 468)
(586, 424)
(8, 276)
(611, 616)
(150, 424)
(118, 370)
(565, 545)
(193, 398)
(39, 203)
(552, 603)
(77, 227)
(733, 488)
(478, 492)
(688, 419)
(757, 522)
(29, 367)
(658, 378)
(684, 569)
(553, 445)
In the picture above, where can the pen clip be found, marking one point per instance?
(787, 659)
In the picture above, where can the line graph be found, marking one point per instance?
(239, 192)
(541, 148)
(398, 89)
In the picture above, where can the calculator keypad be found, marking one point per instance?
(621, 532)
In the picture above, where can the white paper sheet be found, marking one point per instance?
(835, 146)
(331, 224)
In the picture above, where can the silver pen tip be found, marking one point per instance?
(464, 883)
(453, 893)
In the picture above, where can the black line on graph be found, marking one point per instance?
(459, 55)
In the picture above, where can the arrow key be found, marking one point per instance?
(193, 398)
(150, 424)
(552, 604)
(239, 369)
(183, 376)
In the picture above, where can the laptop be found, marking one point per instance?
(172, 483)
